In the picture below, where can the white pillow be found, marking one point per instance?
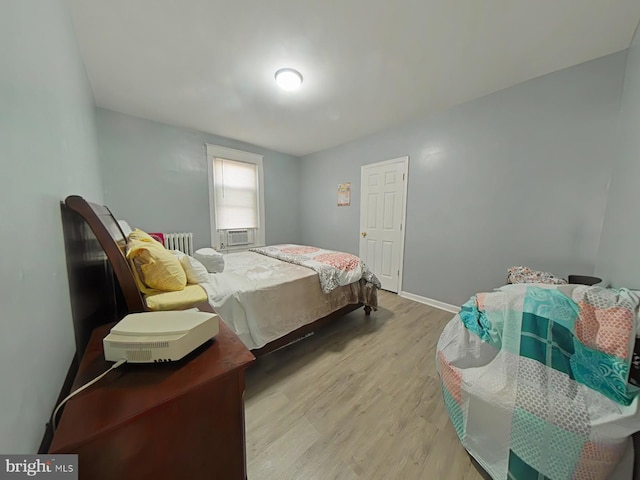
(126, 229)
(212, 260)
(196, 271)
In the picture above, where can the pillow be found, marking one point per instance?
(212, 260)
(154, 266)
(196, 271)
(138, 234)
(124, 226)
(190, 296)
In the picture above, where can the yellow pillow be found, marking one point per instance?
(155, 267)
(138, 234)
(187, 298)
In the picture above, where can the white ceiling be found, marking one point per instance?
(367, 64)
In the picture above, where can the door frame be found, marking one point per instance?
(403, 228)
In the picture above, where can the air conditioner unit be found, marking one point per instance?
(240, 237)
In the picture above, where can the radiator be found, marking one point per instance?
(179, 241)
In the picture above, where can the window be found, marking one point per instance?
(236, 197)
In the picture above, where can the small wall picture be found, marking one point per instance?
(344, 194)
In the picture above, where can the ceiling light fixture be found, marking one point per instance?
(288, 79)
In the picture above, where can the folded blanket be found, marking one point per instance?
(333, 268)
(520, 274)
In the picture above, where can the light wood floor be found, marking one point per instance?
(358, 400)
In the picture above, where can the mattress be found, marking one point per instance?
(262, 298)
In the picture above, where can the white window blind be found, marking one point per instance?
(236, 194)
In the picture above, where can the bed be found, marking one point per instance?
(267, 302)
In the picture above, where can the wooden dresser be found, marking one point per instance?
(159, 421)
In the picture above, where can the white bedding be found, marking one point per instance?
(262, 298)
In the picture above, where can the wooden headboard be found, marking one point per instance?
(110, 237)
(113, 241)
(94, 295)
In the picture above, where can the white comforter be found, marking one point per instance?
(262, 298)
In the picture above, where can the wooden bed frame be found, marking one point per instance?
(111, 238)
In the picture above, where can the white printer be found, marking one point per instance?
(159, 336)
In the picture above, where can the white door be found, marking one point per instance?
(382, 216)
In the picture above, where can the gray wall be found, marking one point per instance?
(155, 177)
(618, 258)
(516, 177)
(48, 150)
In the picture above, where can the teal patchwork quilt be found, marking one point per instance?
(535, 379)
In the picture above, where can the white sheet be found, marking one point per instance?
(262, 298)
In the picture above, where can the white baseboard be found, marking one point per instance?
(432, 303)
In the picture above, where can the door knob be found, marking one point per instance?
(364, 234)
